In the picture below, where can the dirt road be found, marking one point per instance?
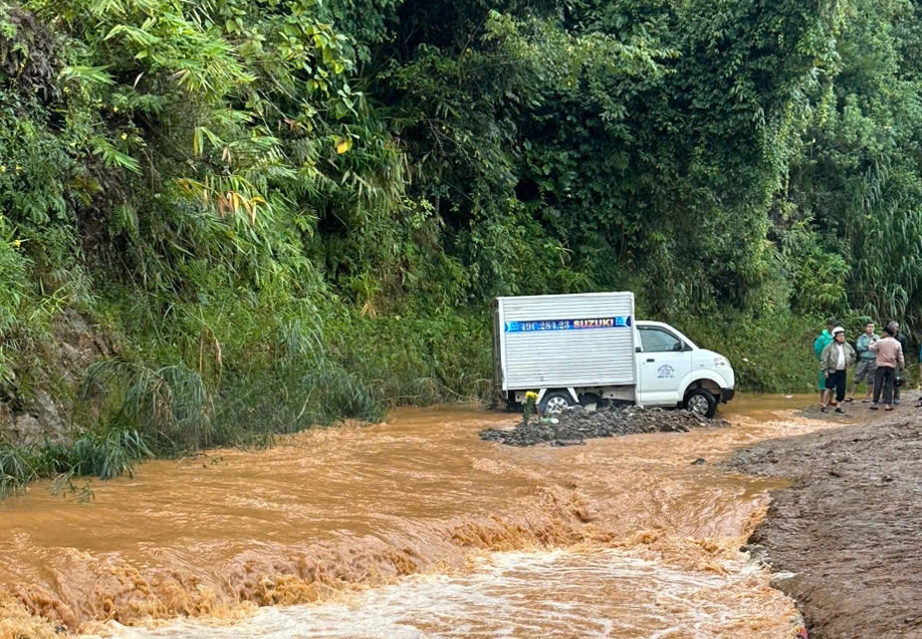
(845, 540)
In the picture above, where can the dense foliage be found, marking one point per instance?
(294, 210)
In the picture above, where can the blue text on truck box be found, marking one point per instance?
(568, 324)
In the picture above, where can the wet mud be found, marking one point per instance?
(845, 539)
(573, 427)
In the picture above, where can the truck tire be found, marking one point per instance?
(555, 402)
(702, 402)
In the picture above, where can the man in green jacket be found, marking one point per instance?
(819, 345)
(867, 362)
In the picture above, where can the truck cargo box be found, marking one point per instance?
(560, 341)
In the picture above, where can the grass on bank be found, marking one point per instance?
(139, 412)
(169, 412)
(97, 454)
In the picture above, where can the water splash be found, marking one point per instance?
(611, 593)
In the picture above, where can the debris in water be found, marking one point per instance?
(575, 425)
(568, 442)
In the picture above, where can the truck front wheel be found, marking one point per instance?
(555, 402)
(702, 402)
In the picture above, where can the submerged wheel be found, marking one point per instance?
(555, 402)
(702, 402)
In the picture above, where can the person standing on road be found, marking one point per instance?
(898, 335)
(919, 405)
(889, 358)
(819, 345)
(898, 375)
(834, 362)
(867, 363)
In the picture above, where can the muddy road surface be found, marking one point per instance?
(412, 528)
(846, 538)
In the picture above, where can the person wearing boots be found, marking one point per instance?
(834, 363)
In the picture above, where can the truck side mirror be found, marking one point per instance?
(638, 350)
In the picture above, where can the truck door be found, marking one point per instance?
(662, 364)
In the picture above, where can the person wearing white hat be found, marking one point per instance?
(834, 363)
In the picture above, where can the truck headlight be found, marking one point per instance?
(721, 362)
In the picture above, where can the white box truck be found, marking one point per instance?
(581, 349)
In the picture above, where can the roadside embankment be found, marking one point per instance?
(575, 426)
(843, 539)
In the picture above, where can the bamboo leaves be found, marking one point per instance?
(111, 156)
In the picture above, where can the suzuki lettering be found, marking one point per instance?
(567, 324)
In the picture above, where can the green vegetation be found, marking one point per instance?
(291, 211)
(101, 453)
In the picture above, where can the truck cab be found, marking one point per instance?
(673, 371)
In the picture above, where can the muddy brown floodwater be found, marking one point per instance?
(411, 528)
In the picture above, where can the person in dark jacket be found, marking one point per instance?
(898, 334)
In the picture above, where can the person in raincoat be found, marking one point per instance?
(819, 345)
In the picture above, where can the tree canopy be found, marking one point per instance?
(247, 174)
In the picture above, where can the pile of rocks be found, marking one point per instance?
(575, 425)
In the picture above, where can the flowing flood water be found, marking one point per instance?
(412, 528)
